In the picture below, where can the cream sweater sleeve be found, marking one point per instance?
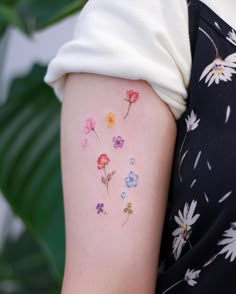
(133, 39)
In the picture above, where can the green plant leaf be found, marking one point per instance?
(40, 14)
(33, 15)
(30, 176)
(10, 16)
(24, 268)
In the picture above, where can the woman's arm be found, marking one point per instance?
(115, 250)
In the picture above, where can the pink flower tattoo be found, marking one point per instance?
(102, 161)
(90, 126)
(84, 143)
(131, 97)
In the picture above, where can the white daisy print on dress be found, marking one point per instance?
(228, 110)
(193, 183)
(223, 198)
(191, 124)
(206, 197)
(229, 243)
(232, 37)
(182, 234)
(217, 25)
(189, 277)
(219, 69)
(209, 165)
(197, 159)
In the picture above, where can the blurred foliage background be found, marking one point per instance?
(30, 176)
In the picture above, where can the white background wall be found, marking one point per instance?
(21, 53)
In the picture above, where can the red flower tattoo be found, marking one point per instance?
(102, 161)
(131, 97)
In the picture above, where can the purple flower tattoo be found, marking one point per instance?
(118, 142)
(100, 208)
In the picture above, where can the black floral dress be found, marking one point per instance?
(198, 250)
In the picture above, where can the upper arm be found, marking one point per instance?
(116, 252)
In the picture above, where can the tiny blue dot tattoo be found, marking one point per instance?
(132, 160)
(123, 195)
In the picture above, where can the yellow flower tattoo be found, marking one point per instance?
(110, 120)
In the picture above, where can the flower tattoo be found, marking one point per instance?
(100, 208)
(132, 160)
(110, 120)
(90, 126)
(123, 195)
(131, 180)
(84, 143)
(102, 161)
(118, 142)
(128, 211)
(131, 97)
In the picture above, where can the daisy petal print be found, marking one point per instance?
(206, 197)
(191, 123)
(189, 277)
(228, 110)
(232, 37)
(219, 70)
(225, 197)
(178, 244)
(230, 243)
(231, 60)
(217, 25)
(197, 159)
(182, 234)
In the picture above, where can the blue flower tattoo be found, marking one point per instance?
(131, 180)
